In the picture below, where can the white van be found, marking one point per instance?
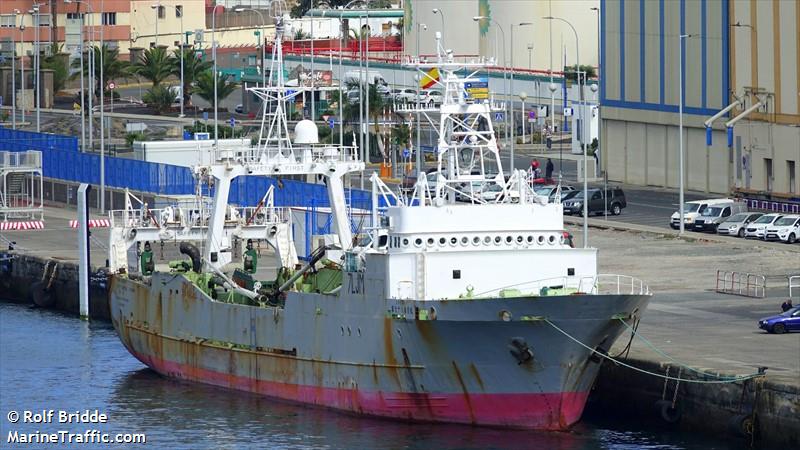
(691, 210)
(715, 214)
(371, 77)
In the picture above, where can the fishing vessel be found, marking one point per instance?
(457, 302)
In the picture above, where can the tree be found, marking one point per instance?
(205, 86)
(57, 62)
(401, 135)
(113, 67)
(155, 65)
(193, 66)
(159, 98)
(302, 6)
(569, 72)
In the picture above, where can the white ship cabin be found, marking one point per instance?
(453, 251)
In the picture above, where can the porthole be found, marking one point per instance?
(509, 239)
(464, 240)
(540, 240)
(358, 331)
(497, 240)
(561, 240)
(519, 239)
(430, 241)
(405, 242)
(349, 333)
(530, 239)
(476, 240)
(505, 315)
(487, 240)
(442, 241)
(341, 330)
(432, 313)
(418, 242)
(552, 239)
(453, 241)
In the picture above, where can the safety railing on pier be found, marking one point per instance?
(741, 283)
(31, 159)
(194, 217)
(794, 285)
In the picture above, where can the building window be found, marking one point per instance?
(178, 11)
(74, 16)
(768, 173)
(110, 18)
(7, 21)
(791, 176)
(41, 20)
(162, 12)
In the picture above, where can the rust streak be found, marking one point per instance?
(466, 393)
(476, 375)
(388, 348)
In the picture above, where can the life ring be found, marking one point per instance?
(667, 412)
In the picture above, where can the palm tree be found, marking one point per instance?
(57, 62)
(159, 98)
(155, 65)
(205, 86)
(193, 66)
(113, 67)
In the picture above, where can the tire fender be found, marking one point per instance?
(667, 413)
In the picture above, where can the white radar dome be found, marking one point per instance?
(305, 132)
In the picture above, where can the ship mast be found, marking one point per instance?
(467, 146)
(276, 155)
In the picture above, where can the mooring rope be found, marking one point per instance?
(672, 359)
(647, 372)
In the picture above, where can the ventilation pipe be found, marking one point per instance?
(729, 125)
(708, 123)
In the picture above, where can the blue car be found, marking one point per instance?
(782, 323)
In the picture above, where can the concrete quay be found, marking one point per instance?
(688, 328)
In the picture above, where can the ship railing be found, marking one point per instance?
(602, 284)
(171, 217)
(295, 154)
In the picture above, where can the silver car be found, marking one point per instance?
(735, 225)
(757, 229)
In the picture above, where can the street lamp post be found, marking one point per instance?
(583, 122)
(22, 65)
(14, 74)
(177, 11)
(420, 160)
(263, 38)
(599, 96)
(215, 75)
(523, 96)
(511, 94)
(681, 42)
(530, 56)
(503, 61)
(441, 16)
(37, 57)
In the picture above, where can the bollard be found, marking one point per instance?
(83, 249)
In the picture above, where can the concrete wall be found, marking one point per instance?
(465, 36)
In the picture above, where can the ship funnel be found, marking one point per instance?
(305, 132)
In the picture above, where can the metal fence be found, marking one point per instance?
(62, 160)
(740, 283)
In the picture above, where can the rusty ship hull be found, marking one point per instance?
(372, 356)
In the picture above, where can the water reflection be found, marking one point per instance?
(53, 361)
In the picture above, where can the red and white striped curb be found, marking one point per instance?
(93, 223)
(29, 225)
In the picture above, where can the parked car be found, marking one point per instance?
(712, 216)
(758, 227)
(785, 229)
(431, 98)
(735, 224)
(239, 108)
(491, 192)
(692, 209)
(549, 191)
(614, 198)
(782, 323)
(404, 95)
(353, 97)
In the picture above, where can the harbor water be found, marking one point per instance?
(51, 361)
